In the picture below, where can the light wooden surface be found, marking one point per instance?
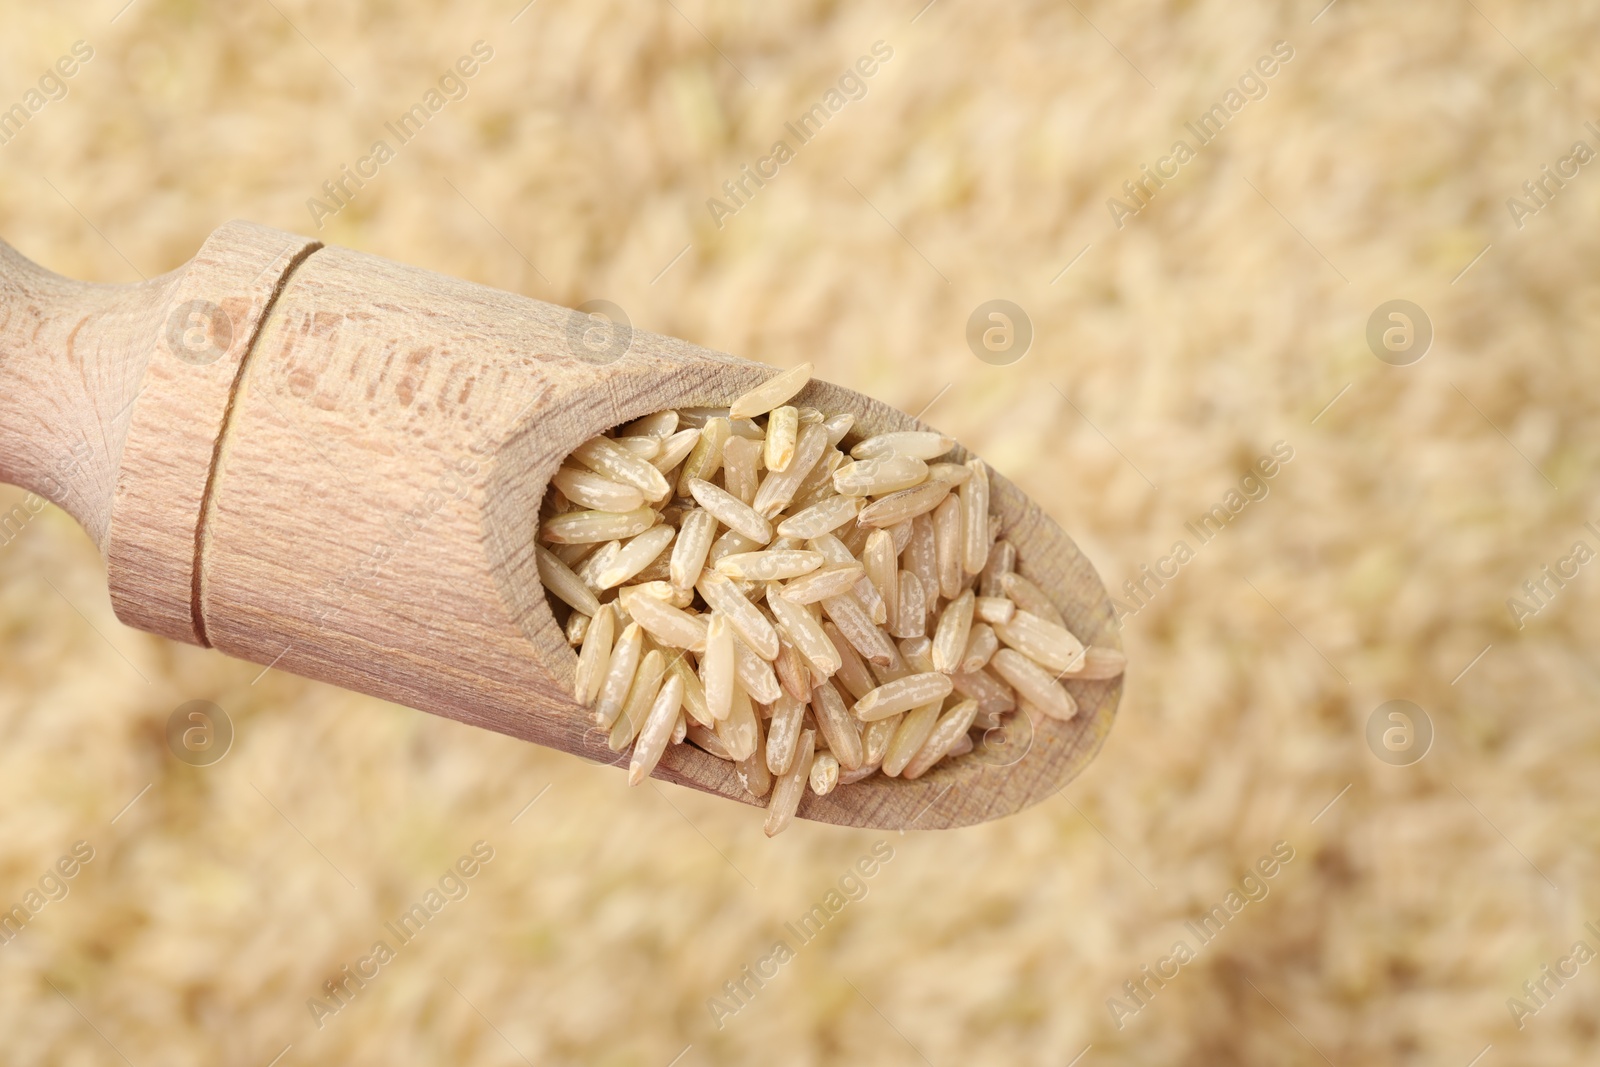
(345, 486)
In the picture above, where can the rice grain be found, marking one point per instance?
(788, 788)
(769, 394)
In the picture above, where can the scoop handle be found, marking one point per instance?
(71, 359)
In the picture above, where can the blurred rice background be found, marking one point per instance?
(1222, 319)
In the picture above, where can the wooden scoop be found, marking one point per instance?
(332, 464)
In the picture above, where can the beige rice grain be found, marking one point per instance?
(752, 770)
(824, 774)
(1052, 647)
(646, 683)
(788, 788)
(783, 427)
(994, 697)
(981, 646)
(705, 459)
(605, 456)
(671, 627)
(694, 694)
(861, 773)
(875, 477)
(957, 474)
(727, 543)
(838, 726)
(636, 555)
(674, 450)
(770, 565)
(740, 731)
(597, 561)
(595, 656)
(778, 389)
(783, 730)
(794, 673)
(563, 582)
(1034, 683)
(852, 673)
(858, 629)
(838, 426)
(717, 667)
(822, 517)
(883, 570)
(919, 444)
(645, 448)
(975, 527)
(994, 609)
(754, 674)
(779, 487)
(689, 552)
(818, 485)
(620, 671)
(804, 632)
(911, 735)
(1100, 664)
(1002, 560)
(875, 738)
(948, 546)
(659, 724)
(741, 467)
(703, 738)
(903, 694)
(1029, 597)
(595, 491)
(656, 424)
(721, 594)
(830, 581)
(731, 511)
(911, 615)
(577, 527)
(953, 724)
(950, 639)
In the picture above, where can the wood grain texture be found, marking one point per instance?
(208, 325)
(366, 516)
(71, 360)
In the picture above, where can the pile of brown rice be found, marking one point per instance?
(734, 579)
